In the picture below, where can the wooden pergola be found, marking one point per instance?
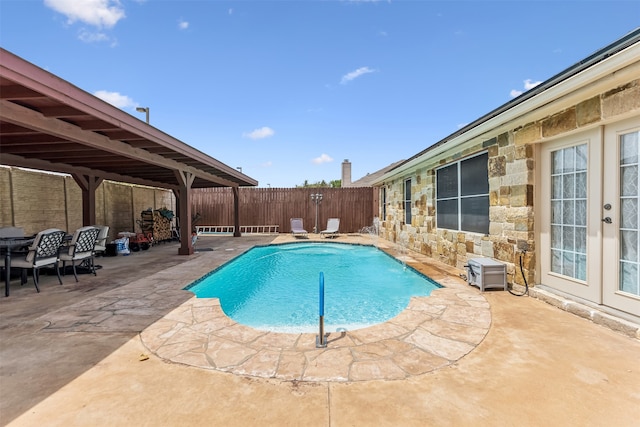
(47, 123)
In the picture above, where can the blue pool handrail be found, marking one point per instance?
(321, 311)
(321, 340)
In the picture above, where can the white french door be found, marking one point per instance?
(621, 241)
(589, 211)
(570, 234)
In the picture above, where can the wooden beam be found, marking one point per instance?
(22, 116)
(13, 160)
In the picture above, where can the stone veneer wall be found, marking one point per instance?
(511, 188)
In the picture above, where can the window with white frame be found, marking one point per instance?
(407, 201)
(462, 195)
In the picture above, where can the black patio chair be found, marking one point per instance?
(81, 248)
(42, 252)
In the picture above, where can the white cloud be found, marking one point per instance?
(528, 84)
(323, 158)
(263, 132)
(355, 74)
(116, 99)
(267, 164)
(91, 37)
(99, 13)
(183, 25)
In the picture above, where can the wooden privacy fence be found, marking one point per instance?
(355, 207)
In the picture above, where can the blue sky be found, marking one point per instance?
(287, 90)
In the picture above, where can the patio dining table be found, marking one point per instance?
(8, 244)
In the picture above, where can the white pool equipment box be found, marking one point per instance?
(486, 273)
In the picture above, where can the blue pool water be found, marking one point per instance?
(276, 287)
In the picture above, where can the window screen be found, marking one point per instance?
(407, 201)
(462, 199)
(384, 203)
(447, 181)
(474, 177)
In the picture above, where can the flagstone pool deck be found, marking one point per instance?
(131, 347)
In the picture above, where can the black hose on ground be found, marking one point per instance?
(526, 285)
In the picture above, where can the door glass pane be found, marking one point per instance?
(581, 185)
(556, 162)
(629, 148)
(568, 186)
(568, 264)
(556, 212)
(556, 260)
(629, 245)
(629, 220)
(629, 180)
(556, 236)
(567, 238)
(629, 277)
(569, 211)
(581, 240)
(568, 160)
(557, 187)
(581, 212)
(629, 213)
(581, 267)
(581, 157)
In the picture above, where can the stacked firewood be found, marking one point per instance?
(161, 227)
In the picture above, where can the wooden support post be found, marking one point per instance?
(184, 207)
(88, 184)
(236, 211)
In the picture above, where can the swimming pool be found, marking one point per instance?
(276, 287)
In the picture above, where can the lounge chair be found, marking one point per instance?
(332, 228)
(297, 228)
(42, 252)
(81, 248)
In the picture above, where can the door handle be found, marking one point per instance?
(607, 220)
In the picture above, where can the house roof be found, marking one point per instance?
(524, 101)
(49, 124)
(370, 178)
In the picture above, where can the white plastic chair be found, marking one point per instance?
(297, 228)
(333, 224)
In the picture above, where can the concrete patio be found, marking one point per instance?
(97, 353)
